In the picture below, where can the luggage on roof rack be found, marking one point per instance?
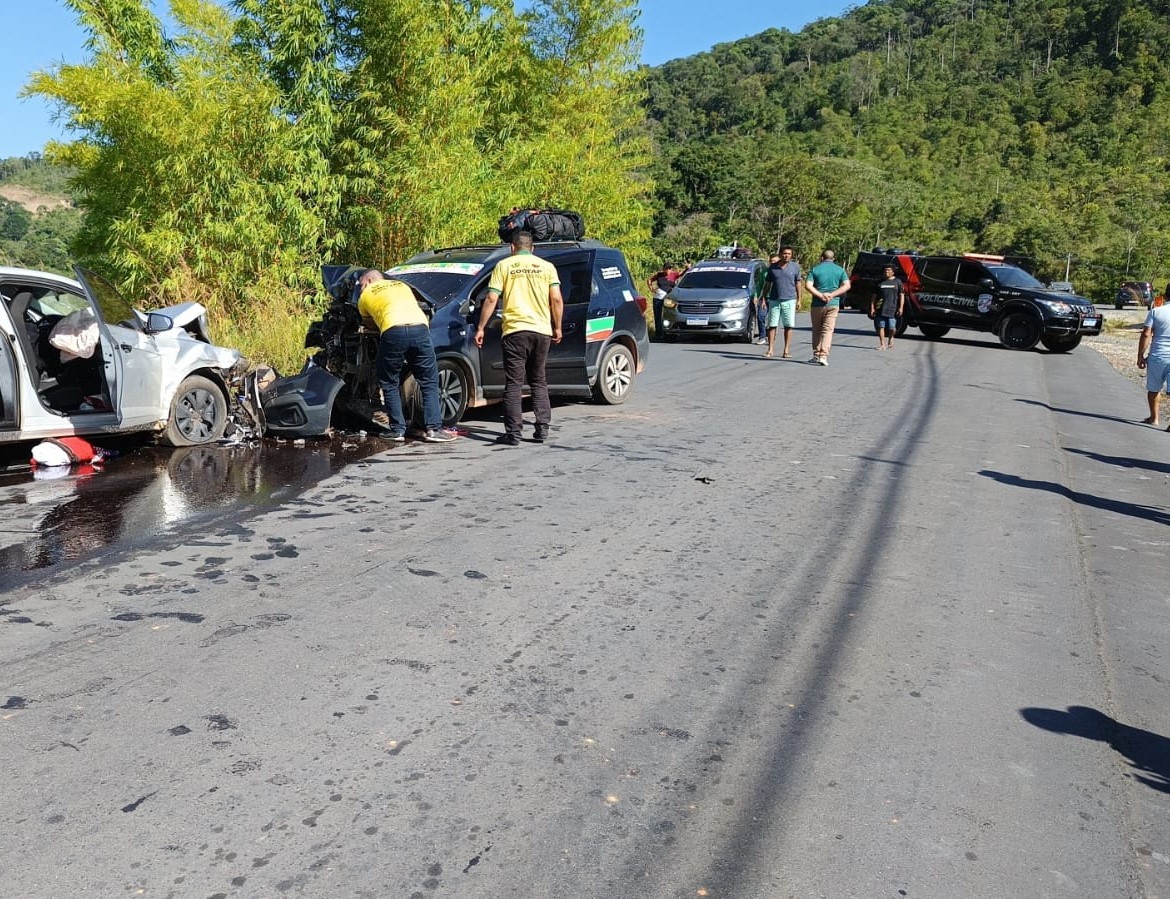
(543, 224)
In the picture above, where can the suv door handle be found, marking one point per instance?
(126, 348)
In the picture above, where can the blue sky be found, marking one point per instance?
(41, 33)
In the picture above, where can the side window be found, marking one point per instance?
(971, 273)
(943, 270)
(576, 282)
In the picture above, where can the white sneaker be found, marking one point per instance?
(824, 360)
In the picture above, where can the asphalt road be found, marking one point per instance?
(895, 627)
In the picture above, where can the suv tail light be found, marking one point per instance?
(641, 301)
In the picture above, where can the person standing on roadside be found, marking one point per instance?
(661, 282)
(886, 307)
(1153, 356)
(532, 323)
(827, 281)
(782, 289)
(405, 342)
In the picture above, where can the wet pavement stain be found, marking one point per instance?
(133, 806)
(16, 702)
(150, 492)
(220, 722)
(187, 617)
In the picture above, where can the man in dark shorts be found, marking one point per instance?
(886, 307)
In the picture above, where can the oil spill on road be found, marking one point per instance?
(151, 491)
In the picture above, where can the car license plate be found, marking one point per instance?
(1090, 322)
(694, 320)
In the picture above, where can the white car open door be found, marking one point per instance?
(133, 365)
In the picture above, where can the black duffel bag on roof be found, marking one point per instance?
(543, 224)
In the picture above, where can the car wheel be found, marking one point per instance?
(933, 332)
(198, 413)
(615, 375)
(1061, 344)
(1118, 305)
(454, 390)
(454, 393)
(1019, 331)
(902, 326)
(748, 330)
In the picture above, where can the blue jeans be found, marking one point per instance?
(408, 346)
(761, 318)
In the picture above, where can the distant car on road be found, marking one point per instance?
(81, 361)
(1138, 292)
(714, 297)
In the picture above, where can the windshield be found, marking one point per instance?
(1010, 276)
(440, 281)
(714, 279)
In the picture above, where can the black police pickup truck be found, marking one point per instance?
(977, 292)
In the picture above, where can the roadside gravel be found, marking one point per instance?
(1119, 345)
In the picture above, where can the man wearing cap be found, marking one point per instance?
(533, 306)
(827, 281)
(405, 342)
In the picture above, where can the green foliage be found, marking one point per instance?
(225, 162)
(36, 232)
(1033, 128)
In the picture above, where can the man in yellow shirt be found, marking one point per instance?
(532, 323)
(405, 343)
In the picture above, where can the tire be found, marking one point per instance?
(1019, 331)
(747, 335)
(454, 394)
(902, 326)
(1118, 305)
(454, 391)
(615, 375)
(1061, 344)
(933, 332)
(198, 413)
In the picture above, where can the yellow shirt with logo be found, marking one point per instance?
(390, 303)
(524, 280)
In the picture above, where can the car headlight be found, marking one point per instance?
(1058, 307)
(735, 304)
(669, 303)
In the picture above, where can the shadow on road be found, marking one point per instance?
(1146, 751)
(1123, 461)
(1081, 412)
(1146, 513)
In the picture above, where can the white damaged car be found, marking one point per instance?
(77, 359)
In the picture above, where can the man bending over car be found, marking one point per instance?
(405, 343)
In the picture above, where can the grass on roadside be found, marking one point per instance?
(269, 332)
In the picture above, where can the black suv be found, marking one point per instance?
(978, 292)
(605, 340)
(1139, 292)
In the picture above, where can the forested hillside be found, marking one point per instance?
(38, 219)
(1035, 127)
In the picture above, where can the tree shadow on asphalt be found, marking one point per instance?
(1081, 412)
(1123, 461)
(1146, 513)
(1146, 751)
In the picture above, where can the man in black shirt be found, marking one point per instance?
(886, 308)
